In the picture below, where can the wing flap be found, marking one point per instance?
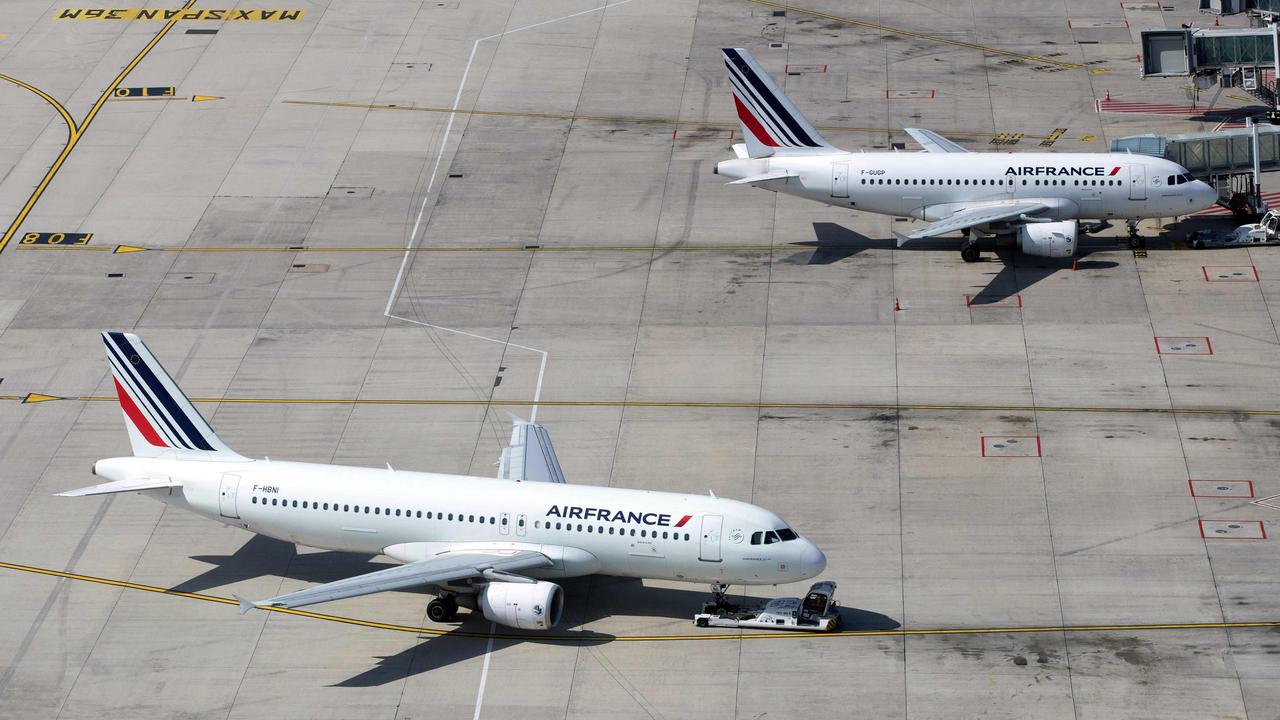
(981, 215)
(448, 567)
(932, 141)
(531, 456)
(122, 486)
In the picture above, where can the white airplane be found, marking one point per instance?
(1036, 197)
(483, 543)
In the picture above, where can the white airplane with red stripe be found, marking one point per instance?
(494, 545)
(1037, 198)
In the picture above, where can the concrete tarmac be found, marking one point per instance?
(570, 244)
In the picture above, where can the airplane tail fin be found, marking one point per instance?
(160, 419)
(771, 125)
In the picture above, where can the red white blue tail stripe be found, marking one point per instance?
(770, 122)
(160, 418)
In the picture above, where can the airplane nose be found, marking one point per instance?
(813, 561)
(1208, 195)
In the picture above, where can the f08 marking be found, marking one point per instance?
(55, 238)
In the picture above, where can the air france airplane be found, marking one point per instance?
(491, 545)
(1035, 197)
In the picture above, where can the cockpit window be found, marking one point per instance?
(770, 537)
(756, 537)
(785, 534)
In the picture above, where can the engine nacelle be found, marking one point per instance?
(1048, 239)
(526, 606)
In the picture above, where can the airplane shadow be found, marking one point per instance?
(589, 600)
(834, 242)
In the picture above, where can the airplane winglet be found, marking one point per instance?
(245, 605)
(902, 239)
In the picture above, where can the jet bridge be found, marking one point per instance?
(1205, 51)
(1210, 154)
(1224, 159)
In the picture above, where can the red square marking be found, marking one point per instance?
(980, 301)
(1182, 345)
(1007, 446)
(1221, 488)
(1232, 530)
(1230, 273)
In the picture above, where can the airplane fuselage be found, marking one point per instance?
(411, 516)
(933, 186)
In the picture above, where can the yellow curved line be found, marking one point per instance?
(588, 636)
(79, 130)
(72, 130)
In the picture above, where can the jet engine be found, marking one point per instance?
(1048, 239)
(526, 606)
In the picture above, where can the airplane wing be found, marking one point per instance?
(531, 457)
(444, 568)
(122, 486)
(757, 179)
(979, 215)
(932, 141)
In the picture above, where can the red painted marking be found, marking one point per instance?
(1192, 484)
(683, 520)
(137, 418)
(1114, 170)
(1261, 528)
(1207, 344)
(968, 302)
(752, 124)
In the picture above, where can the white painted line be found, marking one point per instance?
(1268, 502)
(484, 673)
(413, 239)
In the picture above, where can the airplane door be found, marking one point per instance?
(505, 524)
(520, 524)
(227, 495)
(840, 179)
(1137, 182)
(711, 527)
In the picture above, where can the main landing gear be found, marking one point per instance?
(443, 609)
(1136, 241)
(969, 251)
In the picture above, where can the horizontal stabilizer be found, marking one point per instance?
(757, 179)
(123, 486)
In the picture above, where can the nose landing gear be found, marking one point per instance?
(1136, 241)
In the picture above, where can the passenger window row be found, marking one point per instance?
(963, 181)
(367, 510)
(601, 530)
(935, 181)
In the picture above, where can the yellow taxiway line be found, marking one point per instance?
(624, 120)
(35, 397)
(75, 131)
(918, 36)
(588, 636)
(125, 249)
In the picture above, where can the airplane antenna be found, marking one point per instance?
(713, 493)
(389, 468)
